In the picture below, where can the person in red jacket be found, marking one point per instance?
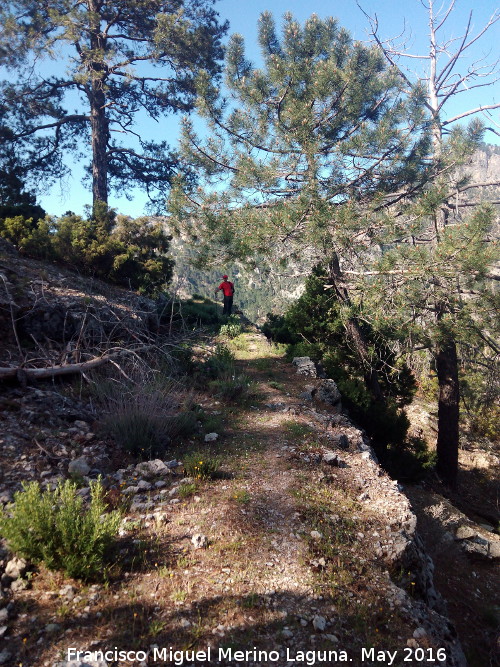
(227, 288)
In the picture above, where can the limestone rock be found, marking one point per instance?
(305, 366)
(341, 441)
(130, 490)
(464, 533)
(79, 466)
(328, 392)
(199, 541)
(333, 460)
(154, 468)
(67, 592)
(6, 497)
(319, 623)
(5, 656)
(16, 568)
(51, 628)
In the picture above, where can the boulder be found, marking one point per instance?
(305, 366)
(328, 392)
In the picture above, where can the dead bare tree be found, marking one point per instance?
(444, 75)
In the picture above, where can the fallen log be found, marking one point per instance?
(23, 373)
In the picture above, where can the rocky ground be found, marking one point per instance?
(243, 561)
(301, 549)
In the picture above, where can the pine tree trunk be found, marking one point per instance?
(355, 333)
(98, 116)
(448, 412)
(99, 128)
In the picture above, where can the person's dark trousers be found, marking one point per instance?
(228, 304)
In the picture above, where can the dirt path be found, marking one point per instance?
(282, 553)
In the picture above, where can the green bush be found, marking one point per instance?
(485, 423)
(480, 395)
(14, 199)
(409, 461)
(314, 326)
(277, 329)
(141, 434)
(182, 425)
(230, 386)
(220, 363)
(187, 490)
(144, 417)
(119, 249)
(231, 328)
(181, 358)
(191, 313)
(201, 465)
(55, 528)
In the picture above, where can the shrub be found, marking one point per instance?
(410, 461)
(485, 423)
(191, 313)
(276, 328)
(277, 385)
(231, 328)
(116, 248)
(187, 490)
(220, 363)
(139, 433)
(144, 418)
(55, 528)
(230, 386)
(181, 360)
(201, 465)
(314, 326)
(297, 429)
(240, 342)
(182, 425)
(211, 422)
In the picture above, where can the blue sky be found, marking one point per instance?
(243, 17)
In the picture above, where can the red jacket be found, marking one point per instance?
(227, 287)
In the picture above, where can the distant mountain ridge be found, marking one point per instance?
(257, 291)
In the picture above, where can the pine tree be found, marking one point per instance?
(323, 124)
(322, 131)
(437, 273)
(431, 291)
(122, 56)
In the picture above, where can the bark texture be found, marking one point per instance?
(448, 412)
(355, 333)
